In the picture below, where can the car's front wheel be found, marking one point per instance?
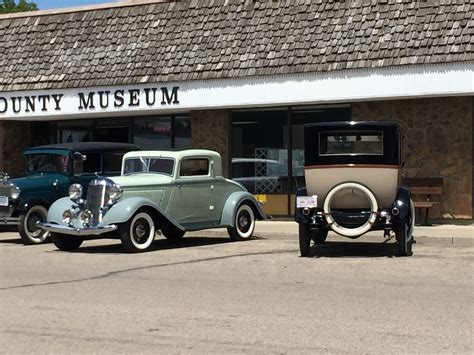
(29, 231)
(138, 233)
(244, 223)
(66, 242)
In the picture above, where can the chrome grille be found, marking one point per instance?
(97, 197)
(5, 189)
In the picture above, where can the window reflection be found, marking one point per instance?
(161, 133)
(259, 150)
(152, 133)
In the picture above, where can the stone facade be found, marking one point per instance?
(14, 139)
(437, 142)
(210, 130)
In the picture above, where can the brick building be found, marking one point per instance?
(243, 77)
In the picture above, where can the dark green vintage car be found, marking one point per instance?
(51, 169)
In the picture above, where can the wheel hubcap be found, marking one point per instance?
(32, 226)
(141, 231)
(244, 222)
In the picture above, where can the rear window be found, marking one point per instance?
(351, 143)
(194, 167)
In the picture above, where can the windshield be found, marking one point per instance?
(148, 165)
(46, 163)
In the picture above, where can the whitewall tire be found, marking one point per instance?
(244, 223)
(138, 233)
(350, 232)
(30, 233)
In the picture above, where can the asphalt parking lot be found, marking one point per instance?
(208, 295)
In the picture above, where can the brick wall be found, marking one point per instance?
(14, 139)
(437, 142)
(210, 130)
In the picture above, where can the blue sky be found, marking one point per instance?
(54, 4)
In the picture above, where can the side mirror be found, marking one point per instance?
(78, 163)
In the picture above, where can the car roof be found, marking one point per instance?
(86, 147)
(178, 154)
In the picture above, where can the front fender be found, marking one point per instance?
(299, 217)
(56, 210)
(402, 203)
(234, 201)
(25, 204)
(126, 208)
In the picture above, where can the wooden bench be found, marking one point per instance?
(422, 190)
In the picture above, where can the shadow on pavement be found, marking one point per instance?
(11, 241)
(158, 244)
(353, 249)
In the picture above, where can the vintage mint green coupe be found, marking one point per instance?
(171, 192)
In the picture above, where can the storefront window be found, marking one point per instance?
(152, 133)
(43, 133)
(259, 151)
(262, 146)
(182, 132)
(300, 117)
(156, 133)
(75, 131)
(112, 130)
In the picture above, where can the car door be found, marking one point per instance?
(192, 204)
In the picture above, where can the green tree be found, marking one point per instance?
(9, 6)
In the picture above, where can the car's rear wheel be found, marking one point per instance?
(172, 233)
(66, 242)
(138, 233)
(244, 223)
(320, 236)
(29, 231)
(304, 235)
(403, 240)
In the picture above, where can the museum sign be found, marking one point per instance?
(86, 101)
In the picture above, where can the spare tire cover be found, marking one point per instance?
(350, 232)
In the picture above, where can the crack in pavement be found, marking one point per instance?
(112, 273)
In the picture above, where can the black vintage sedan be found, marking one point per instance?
(352, 175)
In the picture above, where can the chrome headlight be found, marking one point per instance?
(75, 192)
(15, 193)
(86, 217)
(67, 216)
(115, 193)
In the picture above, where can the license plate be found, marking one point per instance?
(307, 201)
(3, 200)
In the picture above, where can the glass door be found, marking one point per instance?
(260, 156)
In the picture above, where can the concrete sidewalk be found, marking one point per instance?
(435, 231)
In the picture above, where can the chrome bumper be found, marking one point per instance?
(58, 228)
(10, 221)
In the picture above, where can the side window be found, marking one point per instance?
(194, 167)
(112, 162)
(92, 163)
